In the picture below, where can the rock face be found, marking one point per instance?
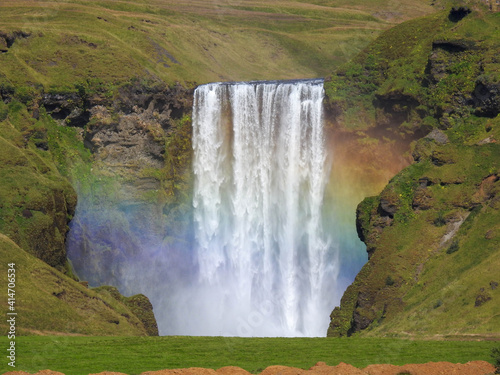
(68, 109)
(139, 139)
(437, 212)
(135, 202)
(131, 134)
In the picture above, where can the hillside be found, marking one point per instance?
(49, 302)
(90, 107)
(57, 44)
(432, 235)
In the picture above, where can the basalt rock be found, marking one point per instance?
(66, 108)
(132, 132)
(486, 97)
(128, 136)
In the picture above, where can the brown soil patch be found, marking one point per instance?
(434, 368)
(431, 368)
(232, 370)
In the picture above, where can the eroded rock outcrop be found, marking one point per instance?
(445, 204)
(139, 304)
(138, 199)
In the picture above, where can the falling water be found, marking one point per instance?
(267, 221)
(266, 262)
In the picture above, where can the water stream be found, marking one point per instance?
(266, 263)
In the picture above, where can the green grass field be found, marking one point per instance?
(72, 41)
(133, 355)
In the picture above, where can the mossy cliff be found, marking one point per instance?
(433, 234)
(137, 139)
(135, 198)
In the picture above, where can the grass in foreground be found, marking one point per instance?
(133, 355)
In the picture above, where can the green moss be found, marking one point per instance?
(4, 111)
(412, 248)
(36, 199)
(453, 247)
(418, 75)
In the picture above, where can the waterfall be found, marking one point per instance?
(270, 214)
(266, 257)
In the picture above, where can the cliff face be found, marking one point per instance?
(136, 196)
(432, 235)
(126, 151)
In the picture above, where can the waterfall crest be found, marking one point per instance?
(266, 264)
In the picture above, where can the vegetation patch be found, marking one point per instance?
(81, 355)
(50, 302)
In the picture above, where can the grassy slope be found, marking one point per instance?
(84, 355)
(42, 294)
(189, 41)
(414, 284)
